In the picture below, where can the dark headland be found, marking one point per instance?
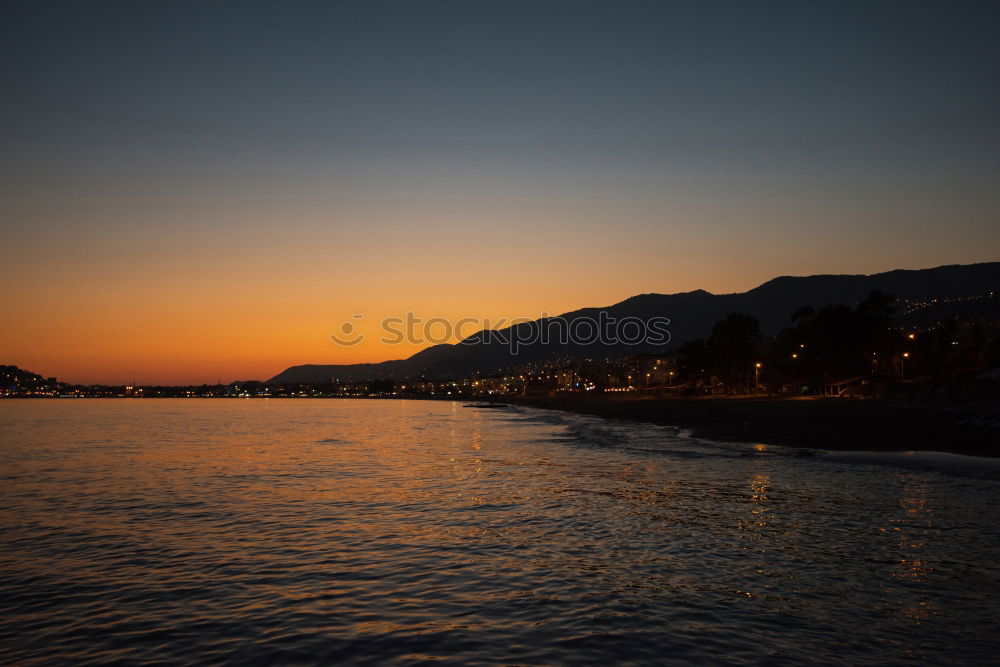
(885, 424)
(924, 296)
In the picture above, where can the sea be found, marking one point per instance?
(399, 532)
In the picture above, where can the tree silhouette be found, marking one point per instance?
(734, 347)
(836, 342)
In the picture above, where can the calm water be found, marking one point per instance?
(282, 531)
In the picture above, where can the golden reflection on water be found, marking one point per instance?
(911, 530)
(758, 530)
(760, 516)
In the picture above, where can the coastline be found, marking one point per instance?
(878, 425)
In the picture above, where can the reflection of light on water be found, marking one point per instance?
(756, 530)
(913, 530)
(759, 486)
(759, 514)
(910, 565)
(760, 448)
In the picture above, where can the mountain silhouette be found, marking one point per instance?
(691, 315)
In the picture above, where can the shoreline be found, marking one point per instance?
(877, 425)
(836, 424)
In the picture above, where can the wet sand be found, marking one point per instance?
(825, 423)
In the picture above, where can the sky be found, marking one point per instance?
(200, 191)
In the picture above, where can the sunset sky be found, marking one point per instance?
(201, 191)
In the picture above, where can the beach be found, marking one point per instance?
(884, 424)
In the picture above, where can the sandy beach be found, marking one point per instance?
(843, 424)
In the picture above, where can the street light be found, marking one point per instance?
(756, 376)
(902, 365)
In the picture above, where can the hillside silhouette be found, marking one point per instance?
(926, 295)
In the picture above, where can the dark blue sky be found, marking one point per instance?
(801, 90)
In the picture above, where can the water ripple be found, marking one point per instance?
(406, 532)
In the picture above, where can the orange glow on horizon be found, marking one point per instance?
(175, 302)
